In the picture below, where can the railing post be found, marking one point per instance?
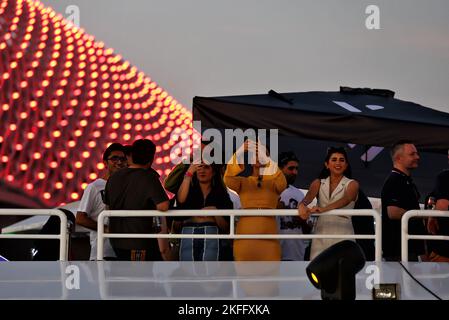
(232, 222)
(378, 240)
(404, 235)
(63, 244)
(100, 237)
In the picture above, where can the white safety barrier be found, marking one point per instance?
(232, 213)
(405, 236)
(62, 236)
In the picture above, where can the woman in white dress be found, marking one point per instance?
(334, 190)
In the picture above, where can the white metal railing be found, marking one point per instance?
(405, 236)
(62, 236)
(232, 213)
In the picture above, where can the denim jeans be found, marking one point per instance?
(199, 249)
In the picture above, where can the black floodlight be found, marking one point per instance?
(333, 271)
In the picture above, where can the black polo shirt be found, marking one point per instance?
(441, 191)
(400, 191)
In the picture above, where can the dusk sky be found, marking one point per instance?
(233, 47)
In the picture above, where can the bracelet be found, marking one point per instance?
(188, 174)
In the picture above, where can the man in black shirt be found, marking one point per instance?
(440, 226)
(399, 195)
(136, 188)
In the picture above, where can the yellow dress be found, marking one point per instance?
(253, 197)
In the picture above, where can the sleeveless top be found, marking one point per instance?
(331, 224)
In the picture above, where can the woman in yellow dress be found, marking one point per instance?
(260, 190)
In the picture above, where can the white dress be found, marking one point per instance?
(331, 224)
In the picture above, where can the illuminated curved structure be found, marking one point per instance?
(63, 98)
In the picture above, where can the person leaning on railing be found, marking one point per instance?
(260, 190)
(203, 189)
(334, 190)
(136, 188)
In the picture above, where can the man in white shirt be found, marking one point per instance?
(92, 201)
(292, 249)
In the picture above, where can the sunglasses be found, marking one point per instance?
(292, 168)
(117, 159)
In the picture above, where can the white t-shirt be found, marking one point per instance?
(92, 204)
(292, 249)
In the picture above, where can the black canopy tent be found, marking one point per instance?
(308, 122)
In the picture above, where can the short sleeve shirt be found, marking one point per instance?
(400, 191)
(92, 204)
(292, 249)
(133, 189)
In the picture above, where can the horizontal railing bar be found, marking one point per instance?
(230, 212)
(405, 236)
(236, 236)
(62, 236)
(427, 237)
(28, 236)
(233, 213)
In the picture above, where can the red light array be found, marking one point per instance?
(64, 97)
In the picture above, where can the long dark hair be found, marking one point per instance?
(216, 182)
(325, 171)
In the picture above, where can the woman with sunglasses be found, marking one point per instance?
(334, 190)
(203, 189)
(260, 190)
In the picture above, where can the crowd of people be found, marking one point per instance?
(130, 183)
